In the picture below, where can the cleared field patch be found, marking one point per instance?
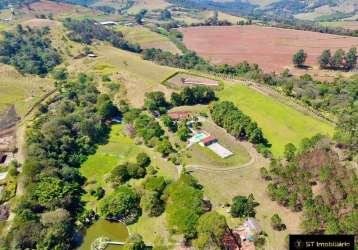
(149, 5)
(271, 48)
(50, 7)
(148, 39)
(22, 91)
(221, 187)
(138, 76)
(182, 80)
(280, 123)
(41, 23)
(353, 25)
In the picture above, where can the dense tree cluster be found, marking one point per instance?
(57, 143)
(193, 95)
(211, 229)
(299, 58)
(86, 31)
(184, 205)
(227, 115)
(29, 50)
(330, 209)
(126, 171)
(122, 204)
(339, 60)
(243, 206)
(153, 202)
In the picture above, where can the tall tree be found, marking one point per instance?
(325, 59)
(351, 59)
(299, 58)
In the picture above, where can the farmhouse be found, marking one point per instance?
(207, 141)
(179, 115)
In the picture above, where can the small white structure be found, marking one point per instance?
(108, 23)
(220, 150)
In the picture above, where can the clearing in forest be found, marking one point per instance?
(271, 48)
(281, 124)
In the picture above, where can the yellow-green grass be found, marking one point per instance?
(148, 4)
(154, 231)
(19, 90)
(119, 149)
(280, 123)
(147, 38)
(341, 24)
(137, 76)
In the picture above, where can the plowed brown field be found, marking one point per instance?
(271, 48)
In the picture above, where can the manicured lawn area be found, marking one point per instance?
(280, 123)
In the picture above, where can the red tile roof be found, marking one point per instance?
(208, 139)
(179, 115)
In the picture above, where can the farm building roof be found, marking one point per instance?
(179, 115)
(209, 139)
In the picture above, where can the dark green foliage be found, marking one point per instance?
(193, 95)
(139, 16)
(299, 58)
(85, 31)
(164, 147)
(169, 123)
(147, 127)
(152, 204)
(143, 160)
(122, 204)
(211, 229)
(276, 223)
(243, 206)
(124, 172)
(155, 102)
(105, 107)
(227, 115)
(184, 205)
(183, 132)
(290, 151)
(340, 59)
(58, 142)
(165, 14)
(29, 51)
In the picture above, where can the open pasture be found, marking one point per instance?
(271, 48)
(148, 39)
(280, 123)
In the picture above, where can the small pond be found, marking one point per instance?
(114, 230)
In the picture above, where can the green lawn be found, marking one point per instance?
(280, 123)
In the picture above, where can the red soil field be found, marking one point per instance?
(271, 48)
(51, 7)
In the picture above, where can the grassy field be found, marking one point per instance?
(148, 4)
(22, 91)
(148, 39)
(280, 123)
(138, 76)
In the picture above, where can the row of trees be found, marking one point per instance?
(156, 102)
(57, 143)
(85, 31)
(227, 115)
(29, 50)
(340, 60)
